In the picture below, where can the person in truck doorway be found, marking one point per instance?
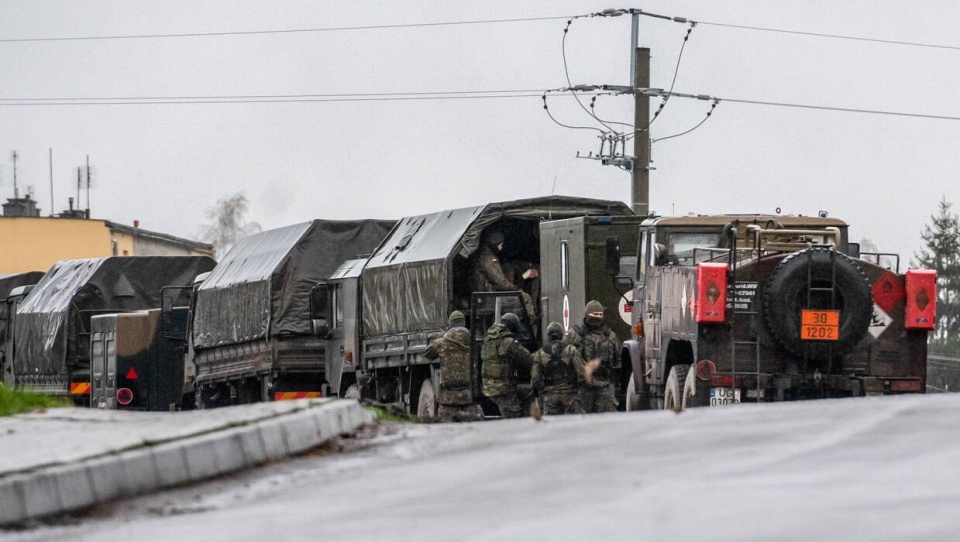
(488, 274)
(599, 347)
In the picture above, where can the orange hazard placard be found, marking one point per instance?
(79, 388)
(819, 325)
(291, 395)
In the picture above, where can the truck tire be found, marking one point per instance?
(786, 291)
(352, 392)
(673, 388)
(631, 399)
(427, 404)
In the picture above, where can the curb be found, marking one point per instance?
(64, 488)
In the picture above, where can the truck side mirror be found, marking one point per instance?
(320, 310)
(623, 284)
(613, 256)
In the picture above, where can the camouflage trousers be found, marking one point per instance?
(561, 402)
(459, 413)
(509, 404)
(598, 399)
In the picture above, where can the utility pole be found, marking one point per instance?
(640, 172)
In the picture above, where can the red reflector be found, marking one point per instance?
(906, 385)
(711, 292)
(131, 374)
(725, 381)
(705, 369)
(124, 396)
(921, 310)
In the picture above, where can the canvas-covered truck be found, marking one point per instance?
(756, 308)
(52, 326)
(420, 274)
(252, 325)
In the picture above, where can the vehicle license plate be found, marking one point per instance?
(724, 396)
(819, 325)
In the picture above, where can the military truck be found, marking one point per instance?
(757, 308)
(252, 329)
(381, 313)
(52, 326)
(136, 360)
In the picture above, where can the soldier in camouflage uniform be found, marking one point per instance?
(504, 358)
(453, 349)
(488, 275)
(599, 346)
(557, 374)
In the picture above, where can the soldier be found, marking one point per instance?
(503, 358)
(599, 346)
(453, 349)
(558, 374)
(488, 275)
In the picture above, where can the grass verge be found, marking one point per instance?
(18, 401)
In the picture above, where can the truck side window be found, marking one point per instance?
(564, 265)
(337, 307)
(642, 258)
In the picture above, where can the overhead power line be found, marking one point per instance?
(277, 98)
(687, 20)
(658, 92)
(281, 31)
(435, 95)
(833, 36)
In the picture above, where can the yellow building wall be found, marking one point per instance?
(36, 243)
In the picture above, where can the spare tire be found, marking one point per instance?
(810, 274)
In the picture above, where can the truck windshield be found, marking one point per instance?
(680, 246)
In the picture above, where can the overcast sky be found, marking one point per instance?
(165, 164)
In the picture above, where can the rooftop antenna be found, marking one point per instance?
(51, 181)
(16, 191)
(88, 187)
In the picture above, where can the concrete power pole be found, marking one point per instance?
(640, 172)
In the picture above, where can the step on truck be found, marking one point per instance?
(253, 324)
(759, 308)
(52, 328)
(382, 312)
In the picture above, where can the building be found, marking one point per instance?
(34, 243)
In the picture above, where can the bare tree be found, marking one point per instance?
(227, 223)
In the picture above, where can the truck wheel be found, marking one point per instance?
(787, 290)
(696, 393)
(427, 404)
(631, 399)
(352, 392)
(673, 388)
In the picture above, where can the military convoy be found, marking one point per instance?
(711, 310)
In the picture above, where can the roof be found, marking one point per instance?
(262, 286)
(437, 236)
(787, 221)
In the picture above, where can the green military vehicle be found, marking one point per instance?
(757, 308)
(380, 314)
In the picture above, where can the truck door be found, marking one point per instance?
(328, 314)
(651, 304)
(342, 312)
(103, 363)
